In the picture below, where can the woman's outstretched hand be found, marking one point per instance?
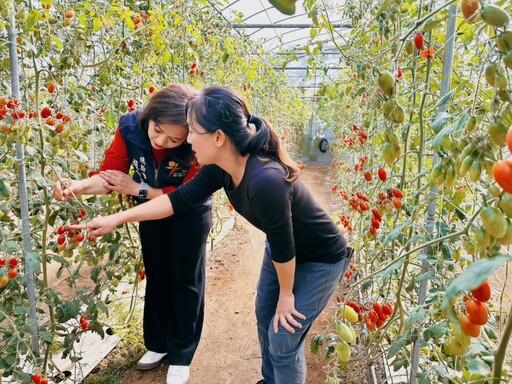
(99, 226)
(285, 313)
(120, 182)
(61, 192)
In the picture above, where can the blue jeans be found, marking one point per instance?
(283, 360)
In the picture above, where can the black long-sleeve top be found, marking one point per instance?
(294, 223)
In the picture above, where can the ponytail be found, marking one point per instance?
(265, 144)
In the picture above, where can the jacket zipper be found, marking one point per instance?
(157, 169)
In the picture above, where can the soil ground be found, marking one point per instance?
(229, 350)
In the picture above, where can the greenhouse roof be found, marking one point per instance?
(282, 34)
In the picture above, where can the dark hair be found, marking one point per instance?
(169, 106)
(221, 108)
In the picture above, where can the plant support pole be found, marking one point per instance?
(432, 205)
(22, 184)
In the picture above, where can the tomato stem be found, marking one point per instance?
(500, 352)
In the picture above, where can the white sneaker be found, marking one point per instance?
(150, 360)
(178, 374)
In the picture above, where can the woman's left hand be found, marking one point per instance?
(120, 182)
(285, 313)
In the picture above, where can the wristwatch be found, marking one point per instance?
(143, 191)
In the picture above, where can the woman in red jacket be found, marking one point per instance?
(152, 141)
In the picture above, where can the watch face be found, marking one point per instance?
(143, 193)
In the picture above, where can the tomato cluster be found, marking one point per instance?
(359, 166)
(345, 222)
(69, 239)
(361, 136)
(351, 271)
(12, 271)
(359, 202)
(377, 316)
(373, 317)
(45, 113)
(195, 70)
(375, 223)
(391, 199)
(138, 21)
(477, 311)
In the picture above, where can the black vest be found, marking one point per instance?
(171, 170)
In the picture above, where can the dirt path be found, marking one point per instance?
(229, 350)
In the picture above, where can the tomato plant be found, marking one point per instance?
(441, 133)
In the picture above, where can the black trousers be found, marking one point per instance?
(174, 252)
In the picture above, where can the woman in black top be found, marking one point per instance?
(305, 253)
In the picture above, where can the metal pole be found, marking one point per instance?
(432, 205)
(22, 184)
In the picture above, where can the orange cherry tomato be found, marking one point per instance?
(502, 172)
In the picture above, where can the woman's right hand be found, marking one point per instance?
(63, 192)
(100, 225)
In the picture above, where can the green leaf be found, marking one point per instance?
(392, 235)
(10, 359)
(415, 239)
(425, 276)
(58, 43)
(67, 311)
(383, 7)
(284, 6)
(397, 346)
(96, 25)
(392, 269)
(439, 121)
(5, 188)
(53, 217)
(367, 284)
(438, 141)
(95, 273)
(41, 181)
(478, 367)
(431, 26)
(422, 378)
(360, 91)
(445, 99)
(102, 307)
(474, 276)
(46, 336)
(434, 332)
(416, 317)
(20, 310)
(34, 259)
(33, 17)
